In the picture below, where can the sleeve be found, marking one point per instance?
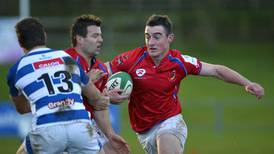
(11, 81)
(100, 84)
(83, 76)
(84, 79)
(120, 62)
(192, 65)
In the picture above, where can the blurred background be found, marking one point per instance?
(221, 118)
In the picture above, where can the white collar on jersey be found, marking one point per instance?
(38, 49)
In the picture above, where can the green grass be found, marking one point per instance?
(246, 124)
(247, 127)
(9, 145)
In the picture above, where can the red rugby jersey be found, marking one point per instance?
(94, 64)
(154, 96)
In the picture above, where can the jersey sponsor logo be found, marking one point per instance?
(119, 61)
(172, 75)
(190, 59)
(48, 63)
(61, 104)
(125, 57)
(140, 72)
(44, 57)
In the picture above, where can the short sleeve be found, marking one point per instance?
(83, 76)
(120, 62)
(11, 81)
(84, 79)
(192, 64)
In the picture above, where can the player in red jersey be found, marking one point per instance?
(86, 37)
(156, 71)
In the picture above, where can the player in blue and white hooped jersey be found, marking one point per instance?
(49, 84)
(53, 94)
(43, 78)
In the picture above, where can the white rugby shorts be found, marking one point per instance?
(174, 125)
(75, 137)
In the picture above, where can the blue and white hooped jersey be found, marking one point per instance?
(51, 81)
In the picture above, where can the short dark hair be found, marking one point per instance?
(30, 33)
(79, 27)
(160, 20)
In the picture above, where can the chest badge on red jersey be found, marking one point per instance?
(140, 72)
(172, 75)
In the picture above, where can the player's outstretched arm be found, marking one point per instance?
(228, 75)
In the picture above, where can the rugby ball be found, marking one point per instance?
(120, 80)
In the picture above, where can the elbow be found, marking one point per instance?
(224, 73)
(21, 104)
(220, 71)
(22, 110)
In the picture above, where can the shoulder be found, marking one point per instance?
(69, 50)
(176, 53)
(139, 49)
(72, 52)
(133, 54)
(12, 71)
(125, 60)
(135, 51)
(18, 64)
(183, 57)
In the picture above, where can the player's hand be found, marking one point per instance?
(115, 96)
(255, 89)
(96, 74)
(118, 143)
(101, 104)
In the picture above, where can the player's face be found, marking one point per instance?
(157, 41)
(93, 41)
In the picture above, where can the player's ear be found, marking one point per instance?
(78, 38)
(170, 37)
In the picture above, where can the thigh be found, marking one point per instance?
(175, 130)
(148, 140)
(45, 140)
(172, 130)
